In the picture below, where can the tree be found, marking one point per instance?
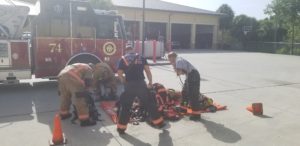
(270, 30)
(287, 11)
(238, 25)
(226, 19)
(101, 4)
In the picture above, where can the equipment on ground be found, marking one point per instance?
(168, 103)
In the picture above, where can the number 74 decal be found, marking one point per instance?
(55, 47)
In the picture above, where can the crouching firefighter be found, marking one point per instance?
(105, 77)
(74, 83)
(191, 88)
(134, 65)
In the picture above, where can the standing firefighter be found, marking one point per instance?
(104, 76)
(191, 88)
(133, 65)
(74, 82)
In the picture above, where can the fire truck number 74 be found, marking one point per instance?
(55, 47)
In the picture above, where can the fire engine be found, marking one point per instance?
(15, 59)
(64, 32)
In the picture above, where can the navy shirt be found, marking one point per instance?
(133, 66)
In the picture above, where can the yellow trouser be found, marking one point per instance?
(68, 87)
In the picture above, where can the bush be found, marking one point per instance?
(297, 51)
(283, 51)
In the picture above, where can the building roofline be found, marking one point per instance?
(161, 5)
(152, 9)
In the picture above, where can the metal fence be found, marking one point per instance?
(273, 47)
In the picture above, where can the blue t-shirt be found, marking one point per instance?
(133, 66)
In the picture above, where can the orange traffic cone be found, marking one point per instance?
(57, 137)
(256, 108)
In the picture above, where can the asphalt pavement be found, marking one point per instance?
(235, 79)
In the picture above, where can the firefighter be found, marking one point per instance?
(191, 87)
(104, 76)
(133, 65)
(74, 83)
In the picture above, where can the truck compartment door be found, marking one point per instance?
(4, 54)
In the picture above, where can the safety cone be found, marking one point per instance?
(256, 108)
(58, 137)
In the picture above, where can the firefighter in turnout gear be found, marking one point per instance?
(191, 88)
(74, 82)
(104, 76)
(133, 66)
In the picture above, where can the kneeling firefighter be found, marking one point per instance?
(134, 65)
(105, 77)
(74, 83)
(191, 88)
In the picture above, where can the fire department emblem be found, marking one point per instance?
(109, 48)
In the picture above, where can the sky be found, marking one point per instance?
(252, 8)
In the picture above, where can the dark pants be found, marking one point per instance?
(191, 91)
(137, 89)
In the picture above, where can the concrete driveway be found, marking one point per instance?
(235, 79)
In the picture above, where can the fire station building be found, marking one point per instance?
(186, 27)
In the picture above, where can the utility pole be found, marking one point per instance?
(143, 31)
(293, 38)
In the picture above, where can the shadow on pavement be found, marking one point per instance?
(134, 141)
(220, 132)
(80, 136)
(15, 103)
(46, 102)
(264, 116)
(20, 102)
(165, 139)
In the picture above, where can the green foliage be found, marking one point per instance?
(237, 29)
(227, 16)
(283, 51)
(283, 25)
(225, 22)
(101, 4)
(287, 12)
(296, 33)
(271, 31)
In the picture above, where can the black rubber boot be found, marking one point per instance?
(161, 125)
(67, 116)
(88, 122)
(195, 117)
(158, 126)
(121, 131)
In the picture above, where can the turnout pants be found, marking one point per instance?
(137, 89)
(191, 91)
(71, 91)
